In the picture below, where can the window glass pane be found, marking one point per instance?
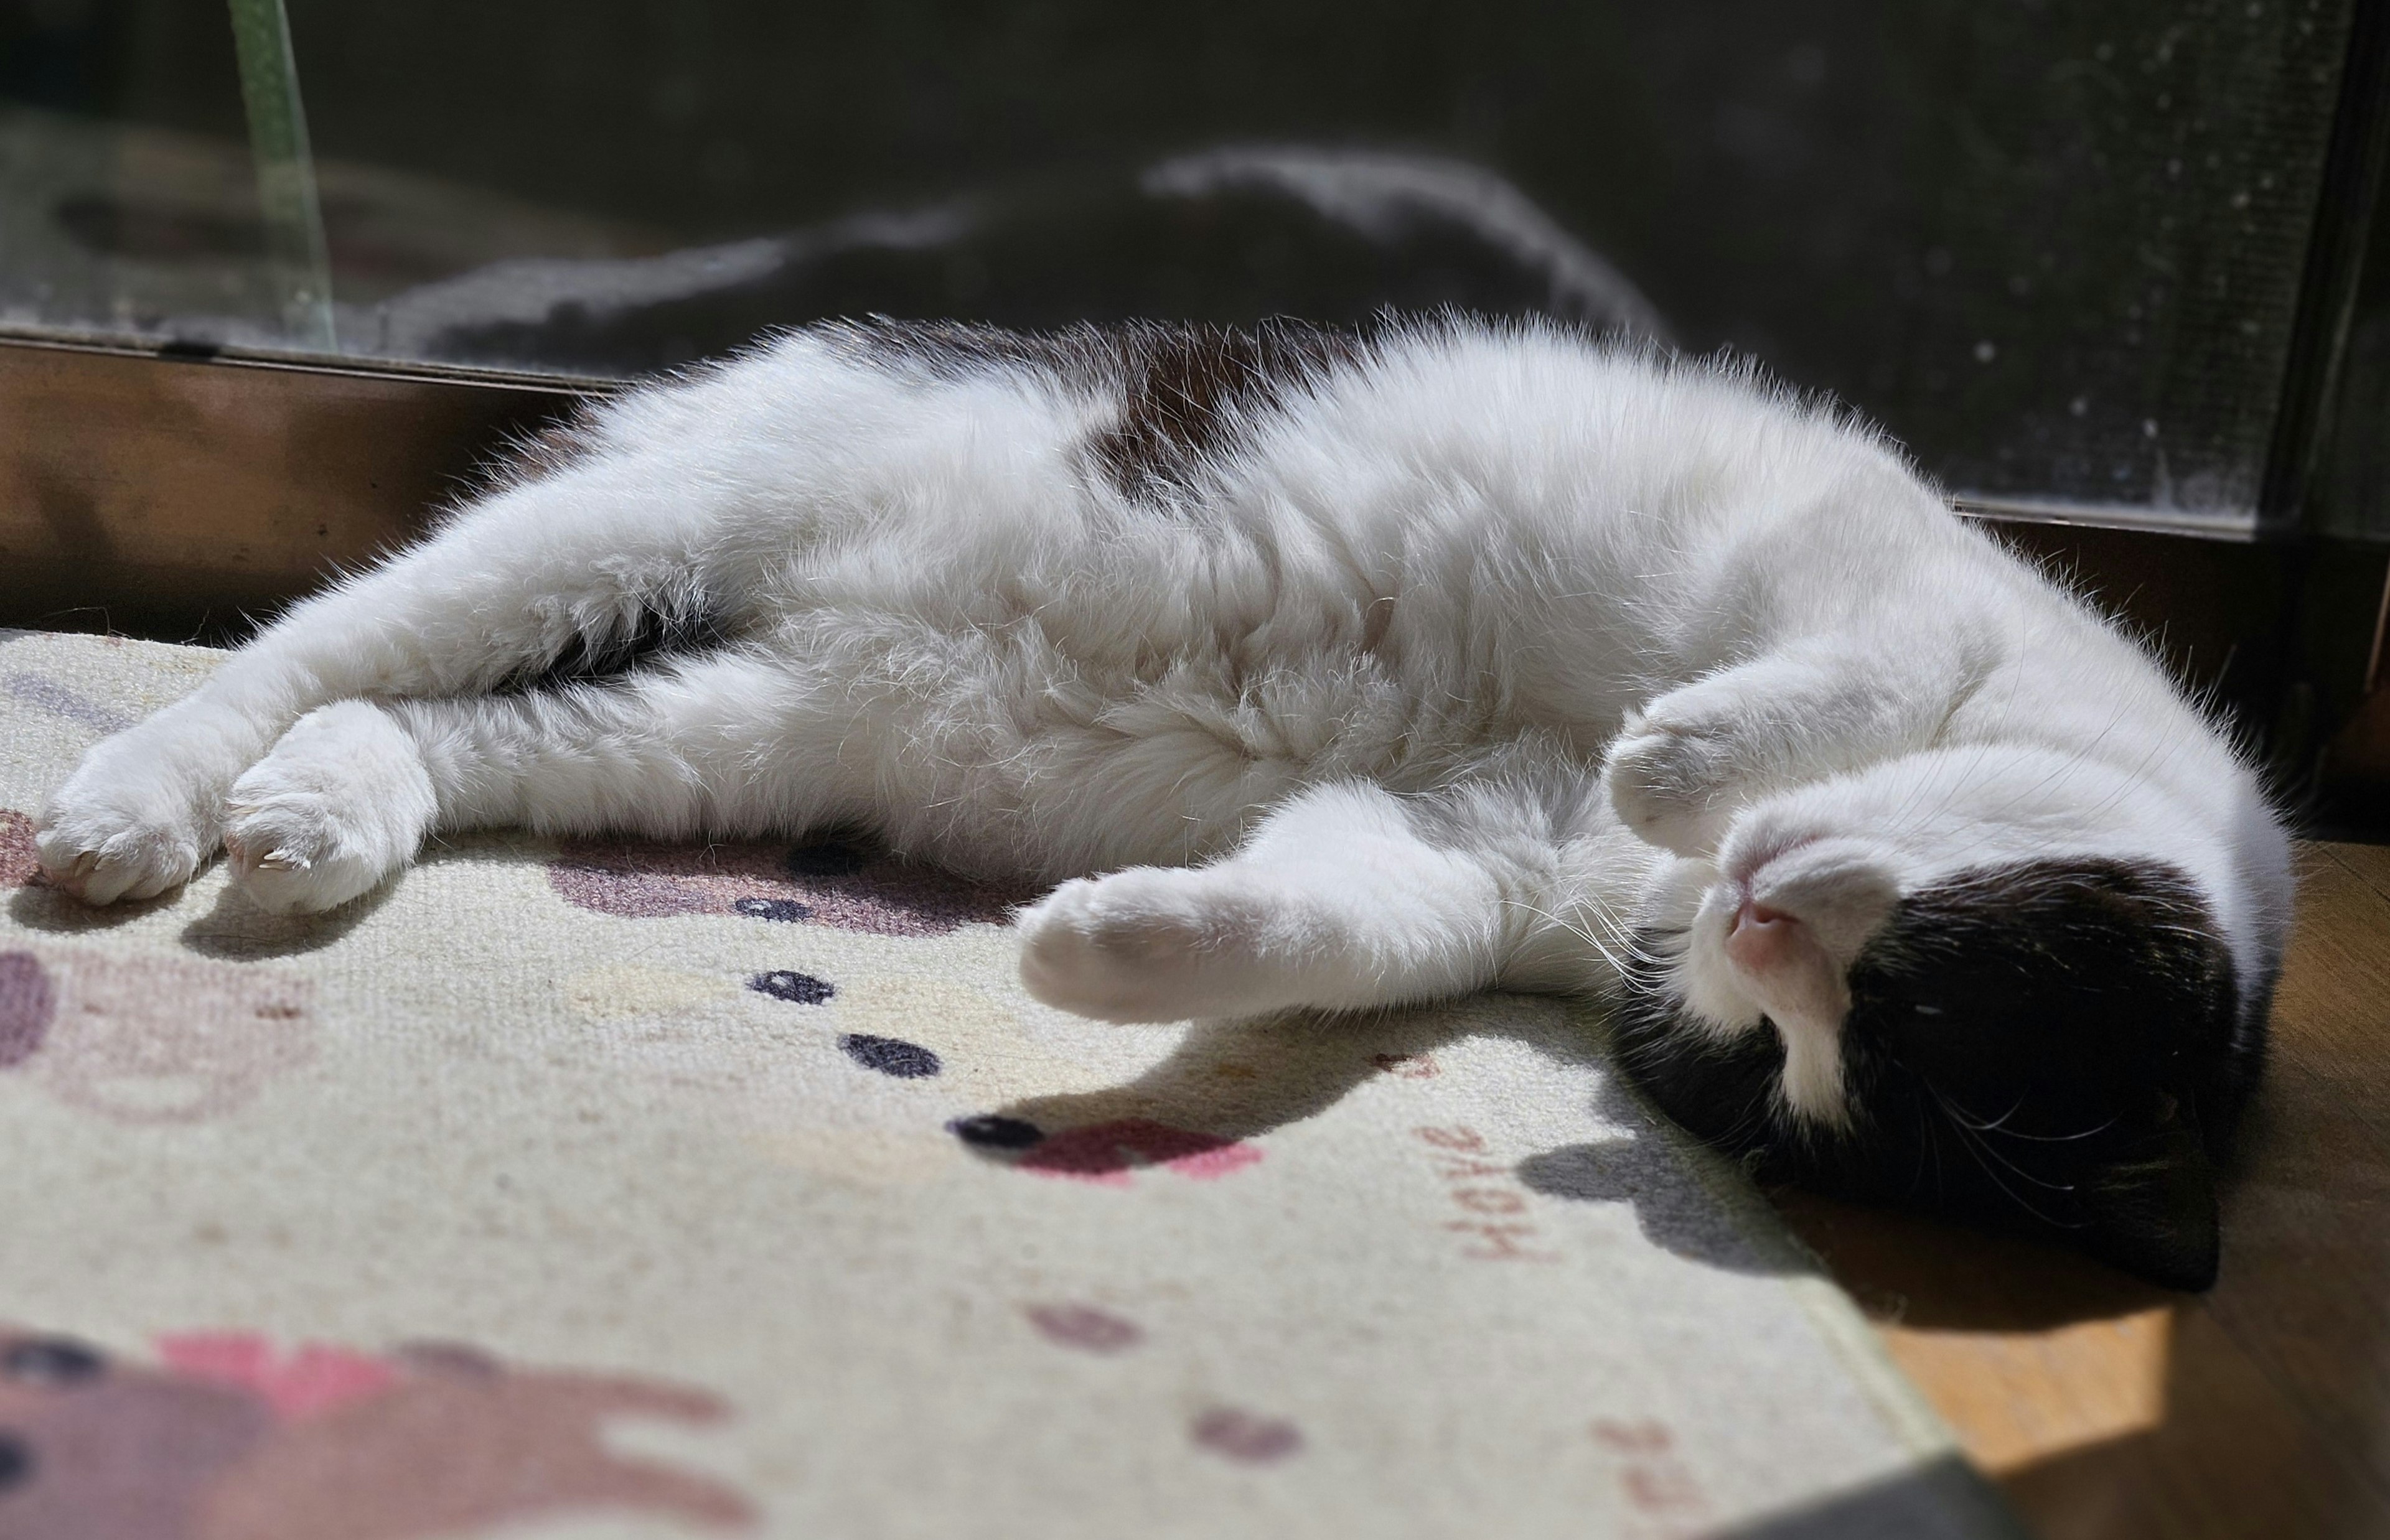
(2055, 249)
(128, 197)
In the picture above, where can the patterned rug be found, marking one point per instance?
(599, 1190)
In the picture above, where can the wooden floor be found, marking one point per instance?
(2107, 1408)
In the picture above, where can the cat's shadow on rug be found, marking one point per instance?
(231, 928)
(1230, 1080)
(1225, 1081)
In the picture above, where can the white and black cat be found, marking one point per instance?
(1335, 670)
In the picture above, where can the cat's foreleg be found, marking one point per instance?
(1346, 897)
(1688, 763)
(511, 583)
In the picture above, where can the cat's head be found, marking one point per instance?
(2003, 983)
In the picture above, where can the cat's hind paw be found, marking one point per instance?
(104, 852)
(125, 825)
(340, 803)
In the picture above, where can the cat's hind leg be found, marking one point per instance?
(341, 802)
(727, 743)
(1346, 897)
(511, 585)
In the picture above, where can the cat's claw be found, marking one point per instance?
(128, 869)
(106, 837)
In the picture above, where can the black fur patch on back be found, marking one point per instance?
(2053, 1046)
(1184, 390)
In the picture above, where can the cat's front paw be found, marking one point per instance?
(131, 822)
(1147, 944)
(1672, 780)
(340, 803)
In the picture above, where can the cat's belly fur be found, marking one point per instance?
(1021, 665)
(1142, 696)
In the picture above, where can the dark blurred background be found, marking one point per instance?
(2057, 249)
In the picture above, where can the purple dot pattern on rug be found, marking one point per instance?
(27, 1004)
(1084, 1327)
(822, 882)
(890, 1056)
(799, 989)
(1245, 1437)
(58, 700)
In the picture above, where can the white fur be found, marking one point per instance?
(1335, 724)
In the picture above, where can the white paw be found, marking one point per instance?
(340, 803)
(1147, 944)
(135, 818)
(1675, 783)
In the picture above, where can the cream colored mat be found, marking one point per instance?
(608, 1190)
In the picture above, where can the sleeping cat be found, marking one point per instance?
(1334, 670)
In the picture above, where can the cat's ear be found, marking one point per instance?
(2150, 1209)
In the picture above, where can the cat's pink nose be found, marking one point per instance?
(1765, 940)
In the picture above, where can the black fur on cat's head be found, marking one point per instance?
(2052, 1046)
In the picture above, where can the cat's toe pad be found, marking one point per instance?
(340, 803)
(1149, 944)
